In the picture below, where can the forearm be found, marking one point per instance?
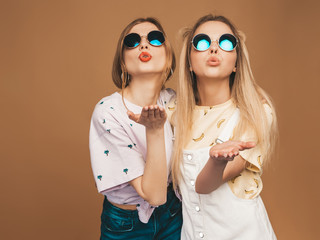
(152, 185)
(215, 173)
(210, 177)
(154, 180)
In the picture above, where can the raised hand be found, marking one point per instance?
(152, 117)
(227, 151)
(155, 172)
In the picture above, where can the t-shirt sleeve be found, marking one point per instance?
(115, 159)
(170, 105)
(254, 156)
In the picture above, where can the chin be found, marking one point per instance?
(151, 69)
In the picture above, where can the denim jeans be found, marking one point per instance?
(165, 222)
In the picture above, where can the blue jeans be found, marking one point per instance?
(165, 222)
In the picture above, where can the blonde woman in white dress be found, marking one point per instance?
(225, 132)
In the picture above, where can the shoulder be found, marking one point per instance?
(108, 106)
(170, 106)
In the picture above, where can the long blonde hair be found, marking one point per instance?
(245, 92)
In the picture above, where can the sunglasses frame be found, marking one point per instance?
(217, 41)
(146, 36)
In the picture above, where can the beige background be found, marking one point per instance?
(55, 65)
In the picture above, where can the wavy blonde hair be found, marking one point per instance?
(245, 93)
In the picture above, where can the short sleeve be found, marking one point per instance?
(166, 96)
(254, 156)
(170, 108)
(115, 159)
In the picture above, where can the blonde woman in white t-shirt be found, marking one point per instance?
(225, 131)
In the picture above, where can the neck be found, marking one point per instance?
(213, 91)
(144, 90)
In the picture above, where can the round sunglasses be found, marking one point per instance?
(155, 38)
(202, 42)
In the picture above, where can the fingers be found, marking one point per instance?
(227, 155)
(233, 153)
(151, 116)
(153, 112)
(145, 112)
(222, 156)
(227, 151)
(162, 112)
(156, 112)
(132, 116)
(246, 145)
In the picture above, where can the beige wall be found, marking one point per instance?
(55, 65)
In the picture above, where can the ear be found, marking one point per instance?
(234, 69)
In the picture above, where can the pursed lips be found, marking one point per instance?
(213, 61)
(145, 56)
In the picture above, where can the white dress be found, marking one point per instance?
(219, 215)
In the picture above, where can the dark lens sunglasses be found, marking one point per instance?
(155, 38)
(202, 42)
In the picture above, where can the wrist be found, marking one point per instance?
(158, 132)
(218, 162)
(155, 129)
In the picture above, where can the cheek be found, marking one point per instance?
(229, 62)
(196, 61)
(193, 60)
(160, 57)
(233, 59)
(128, 57)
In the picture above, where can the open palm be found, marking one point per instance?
(228, 150)
(152, 117)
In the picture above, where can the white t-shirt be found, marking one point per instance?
(118, 149)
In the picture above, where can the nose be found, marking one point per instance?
(214, 47)
(144, 44)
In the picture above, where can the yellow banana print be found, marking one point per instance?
(252, 167)
(259, 160)
(257, 182)
(171, 108)
(249, 192)
(220, 122)
(205, 112)
(214, 142)
(233, 179)
(199, 138)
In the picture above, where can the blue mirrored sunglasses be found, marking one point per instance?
(202, 42)
(155, 38)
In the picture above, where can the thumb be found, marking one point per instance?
(132, 116)
(247, 145)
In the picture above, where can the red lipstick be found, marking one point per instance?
(213, 61)
(145, 56)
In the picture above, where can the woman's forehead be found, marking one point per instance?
(143, 28)
(213, 28)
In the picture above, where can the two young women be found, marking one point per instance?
(217, 100)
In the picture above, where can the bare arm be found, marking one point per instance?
(152, 185)
(223, 165)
